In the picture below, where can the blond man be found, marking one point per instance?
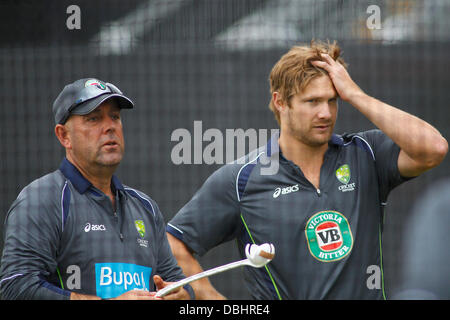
(323, 208)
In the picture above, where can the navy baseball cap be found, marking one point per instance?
(83, 96)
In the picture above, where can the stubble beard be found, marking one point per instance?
(308, 138)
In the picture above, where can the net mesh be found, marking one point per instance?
(183, 61)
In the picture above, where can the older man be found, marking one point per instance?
(78, 233)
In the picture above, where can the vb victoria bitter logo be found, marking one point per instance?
(328, 236)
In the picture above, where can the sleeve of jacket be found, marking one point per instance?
(386, 154)
(31, 237)
(168, 267)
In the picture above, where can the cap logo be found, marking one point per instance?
(94, 82)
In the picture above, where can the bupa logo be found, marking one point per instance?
(286, 190)
(114, 279)
(329, 236)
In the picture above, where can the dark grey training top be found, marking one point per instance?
(327, 240)
(62, 235)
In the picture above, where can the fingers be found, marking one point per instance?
(144, 295)
(137, 295)
(160, 283)
(178, 294)
(326, 63)
(327, 58)
(321, 64)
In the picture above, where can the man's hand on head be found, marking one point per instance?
(344, 84)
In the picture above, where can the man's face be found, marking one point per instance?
(312, 113)
(97, 138)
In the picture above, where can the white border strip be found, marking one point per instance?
(11, 277)
(143, 198)
(169, 224)
(62, 206)
(239, 172)
(370, 148)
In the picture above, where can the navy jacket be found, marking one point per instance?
(62, 234)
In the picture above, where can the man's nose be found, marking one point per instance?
(325, 111)
(109, 125)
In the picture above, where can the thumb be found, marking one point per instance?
(159, 282)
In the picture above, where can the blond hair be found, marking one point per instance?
(293, 72)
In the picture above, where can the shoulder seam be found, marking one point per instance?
(365, 141)
(239, 173)
(141, 197)
(63, 215)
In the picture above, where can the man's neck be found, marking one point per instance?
(99, 177)
(308, 158)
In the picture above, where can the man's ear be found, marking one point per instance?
(62, 133)
(278, 101)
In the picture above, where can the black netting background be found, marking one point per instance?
(208, 60)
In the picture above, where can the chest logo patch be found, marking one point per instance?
(329, 236)
(140, 227)
(343, 174)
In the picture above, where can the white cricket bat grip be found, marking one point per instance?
(183, 282)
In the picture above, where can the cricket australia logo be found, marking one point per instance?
(140, 227)
(329, 236)
(343, 174)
